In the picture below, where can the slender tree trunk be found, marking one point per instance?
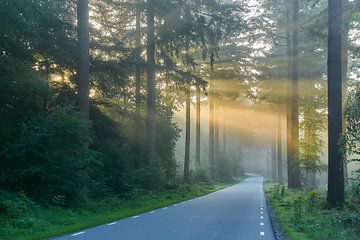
(279, 149)
(224, 134)
(198, 111)
(139, 160)
(211, 133)
(294, 178)
(335, 195)
(289, 90)
(137, 68)
(84, 57)
(187, 137)
(151, 90)
(217, 139)
(83, 75)
(273, 157)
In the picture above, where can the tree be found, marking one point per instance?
(198, 112)
(294, 180)
(279, 149)
(335, 194)
(187, 136)
(84, 57)
(151, 85)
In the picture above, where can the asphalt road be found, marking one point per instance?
(235, 213)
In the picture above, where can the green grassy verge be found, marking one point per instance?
(304, 215)
(44, 223)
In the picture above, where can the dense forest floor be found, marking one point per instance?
(30, 221)
(305, 216)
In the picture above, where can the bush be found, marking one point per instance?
(14, 206)
(48, 163)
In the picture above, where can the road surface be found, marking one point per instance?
(235, 213)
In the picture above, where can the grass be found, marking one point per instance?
(304, 215)
(44, 223)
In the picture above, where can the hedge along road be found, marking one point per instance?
(235, 213)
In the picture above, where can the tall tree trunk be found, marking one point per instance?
(289, 90)
(335, 195)
(217, 139)
(294, 178)
(138, 130)
(198, 111)
(137, 68)
(224, 138)
(279, 149)
(83, 77)
(273, 157)
(187, 137)
(84, 57)
(211, 132)
(151, 90)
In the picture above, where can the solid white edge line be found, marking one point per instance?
(134, 217)
(152, 211)
(77, 234)
(165, 208)
(109, 224)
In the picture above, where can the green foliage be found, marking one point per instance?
(304, 216)
(42, 168)
(26, 221)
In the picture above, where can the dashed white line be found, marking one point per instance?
(261, 212)
(135, 217)
(261, 224)
(261, 209)
(261, 217)
(77, 234)
(113, 223)
(262, 233)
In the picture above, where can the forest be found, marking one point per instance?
(110, 109)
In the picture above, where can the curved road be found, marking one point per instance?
(235, 213)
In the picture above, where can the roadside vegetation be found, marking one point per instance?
(304, 214)
(26, 220)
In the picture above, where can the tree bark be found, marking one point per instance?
(335, 194)
(294, 178)
(83, 77)
(137, 67)
(217, 139)
(273, 157)
(151, 90)
(84, 56)
(279, 150)
(211, 133)
(198, 111)
(187, 137)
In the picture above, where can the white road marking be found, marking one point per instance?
(261, 212)
(175, 205)
(135, 217)
(113, 223)
(262, 233)
(261, 209)
(261, 224)
(261, 217)
(77, 234)
(165, 208)
(152, 211)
